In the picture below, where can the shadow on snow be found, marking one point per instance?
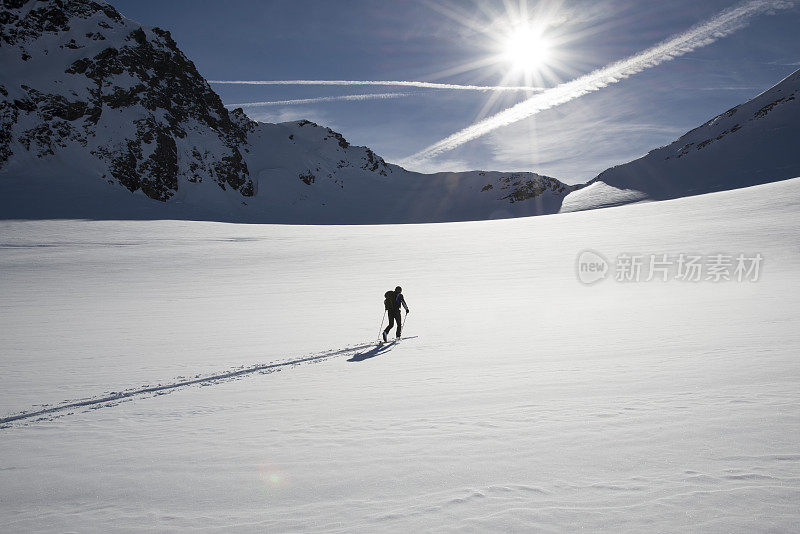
(377, 351)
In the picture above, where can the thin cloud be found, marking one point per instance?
(299, 101)
(368, 96)
(391, 83)
(721, 25)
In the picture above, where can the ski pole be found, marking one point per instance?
(380, 329)
(403, 326)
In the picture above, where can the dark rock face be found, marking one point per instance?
(141, 80)
(162, 164)
(339, 137)
(375, 163)
(8, 117)
(524, 186)
(307, 177)
(232, 170)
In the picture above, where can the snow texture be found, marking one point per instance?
(522, 400)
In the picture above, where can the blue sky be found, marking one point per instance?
(465, 42)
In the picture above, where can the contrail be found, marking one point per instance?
(721, 25)
(425, 85)
(368, 96)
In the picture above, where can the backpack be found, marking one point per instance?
(389, 301)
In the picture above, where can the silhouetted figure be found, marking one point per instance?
(392, 302)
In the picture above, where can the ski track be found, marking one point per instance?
(113, 398)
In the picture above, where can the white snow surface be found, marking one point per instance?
(600, 195)
(521, 400)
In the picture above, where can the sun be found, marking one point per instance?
(526, 49)
(526, 43)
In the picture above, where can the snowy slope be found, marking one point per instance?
(753, 143)
(101, 115)
(526, 402)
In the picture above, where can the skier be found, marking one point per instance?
(394, 299)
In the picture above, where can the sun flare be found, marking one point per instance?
(526, 49)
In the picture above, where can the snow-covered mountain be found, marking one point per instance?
(102, 117)
(754, 143)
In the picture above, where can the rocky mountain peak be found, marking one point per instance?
(125, 92)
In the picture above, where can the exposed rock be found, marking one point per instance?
(167, 99)
(525, 189)
(307, 177)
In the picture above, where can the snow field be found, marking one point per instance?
(527, 401)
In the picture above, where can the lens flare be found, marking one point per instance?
(272, 476)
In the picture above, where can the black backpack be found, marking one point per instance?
(388, 302)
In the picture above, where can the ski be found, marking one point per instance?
(395, 340)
